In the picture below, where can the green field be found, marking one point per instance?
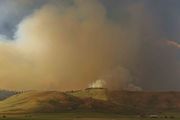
(84, 116)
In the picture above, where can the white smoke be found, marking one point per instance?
(98, 84)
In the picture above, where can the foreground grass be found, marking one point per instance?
(81, 116)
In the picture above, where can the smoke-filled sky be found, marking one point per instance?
(69, 44)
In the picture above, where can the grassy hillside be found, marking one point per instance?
(35, 101)
(52, 101)
(92, 100)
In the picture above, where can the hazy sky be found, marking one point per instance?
(68, 44)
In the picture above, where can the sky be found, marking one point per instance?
(71, 44)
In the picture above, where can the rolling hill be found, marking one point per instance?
(34, 101)
(94, 100)
(51, 101)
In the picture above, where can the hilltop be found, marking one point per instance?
(95, 93)
(94, 100)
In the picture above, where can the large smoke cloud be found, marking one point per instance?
(69, 45)
(64, 48)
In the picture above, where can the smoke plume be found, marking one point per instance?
(98, 84)
(64, 48)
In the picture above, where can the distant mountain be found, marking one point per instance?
(95, 100)
(5, 94)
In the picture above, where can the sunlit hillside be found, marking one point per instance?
(94, 100)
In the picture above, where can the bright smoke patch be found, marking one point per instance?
(98, 84)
